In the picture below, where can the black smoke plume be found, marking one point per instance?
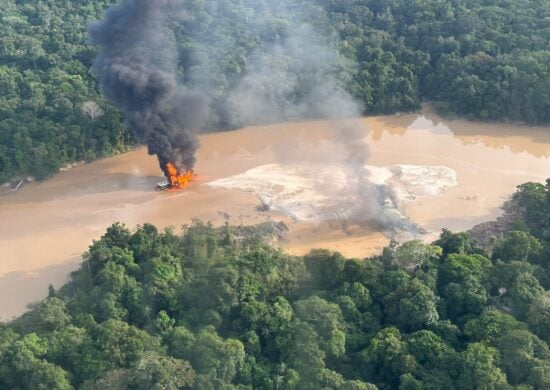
(279, 72)
(136, 68)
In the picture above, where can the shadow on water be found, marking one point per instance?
(516, 138)
(466, 223)
(73, 188)
(394, 125)
(116, 182)
(17, 289)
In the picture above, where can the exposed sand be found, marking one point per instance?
(45, 227)
(316, 192)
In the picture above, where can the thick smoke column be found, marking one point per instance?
(294, 71)
(136, 67)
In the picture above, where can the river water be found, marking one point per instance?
(45, 227)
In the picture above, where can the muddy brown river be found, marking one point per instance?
(45, 227)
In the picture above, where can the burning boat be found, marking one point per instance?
(163, 185)
(175, 180)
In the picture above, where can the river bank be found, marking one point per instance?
(45, 227)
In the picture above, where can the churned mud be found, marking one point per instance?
(452, 174)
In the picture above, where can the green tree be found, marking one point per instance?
(517, 245)
(326, 319)
(491, 325)
(22, 366)
(412, 306)
(521, 351)
(154, 371)
(478, 369)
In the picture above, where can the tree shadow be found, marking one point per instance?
(393, 125)
(18, 290)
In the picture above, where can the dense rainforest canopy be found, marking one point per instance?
(486, 59)
(220, 309)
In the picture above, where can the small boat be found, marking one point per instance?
(163, 185)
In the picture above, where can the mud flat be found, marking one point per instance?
(452, 174)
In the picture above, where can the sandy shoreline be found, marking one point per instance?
(45, 227)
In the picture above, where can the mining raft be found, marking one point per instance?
(163, 185)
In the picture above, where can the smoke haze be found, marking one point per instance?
(296, 72)
(293, 78)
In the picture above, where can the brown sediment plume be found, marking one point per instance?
(45, 225)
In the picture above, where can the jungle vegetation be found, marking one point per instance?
(213, 308)
(482, 59)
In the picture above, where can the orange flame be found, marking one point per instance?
(178, 181)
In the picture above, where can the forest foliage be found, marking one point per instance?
(51, 112)
(485, 59)
(214, 308)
